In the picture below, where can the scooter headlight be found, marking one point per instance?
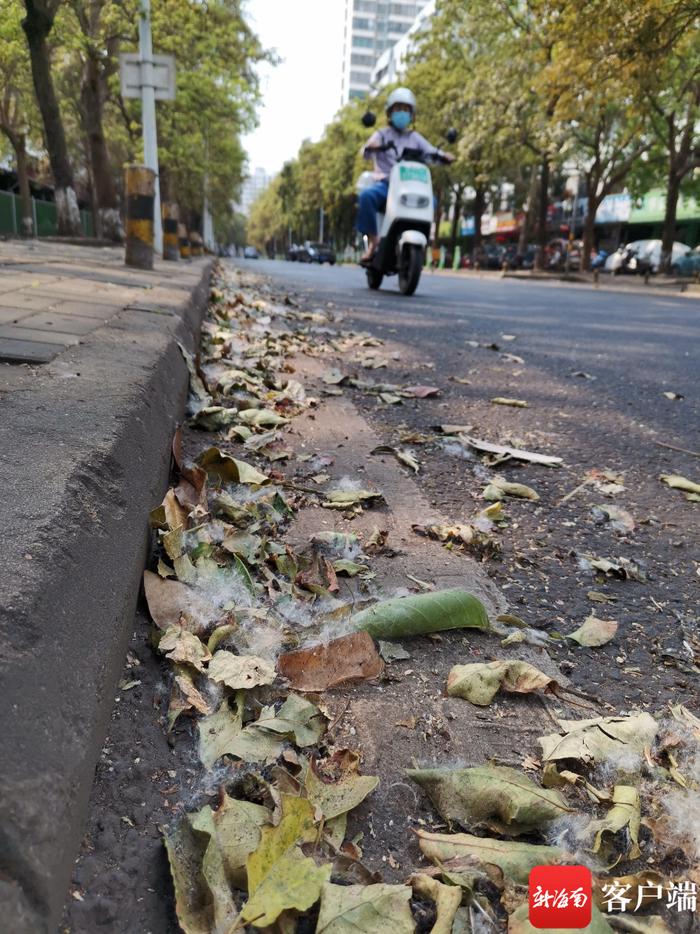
(415, 201)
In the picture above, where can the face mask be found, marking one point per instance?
(400, 119)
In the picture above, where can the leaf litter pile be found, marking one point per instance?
(257, 637)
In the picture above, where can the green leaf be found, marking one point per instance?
(370, 909)
(351, 568)
(447, 900)
(334, 798)
(235, 829)
(214, 418)
(625, 814)
(344, 499)
(676, 482)
(296, 825)
(261, 418)
(499, 798)
(193, 903)
(295, 881)
(514, 859)
(594, 632)
(480, 682)
(427, 612)
(499, 488)
(296, 717)
(222, 733)
(228, 469)
(220, 634)
(518, 923)
(279, 877)
(515, 403)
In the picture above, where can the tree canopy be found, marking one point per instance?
(538, 91)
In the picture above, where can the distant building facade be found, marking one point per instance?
(253, 186)
(391, 64)
(372, 27)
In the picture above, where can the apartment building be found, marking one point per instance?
(391, 64)
(371, 28)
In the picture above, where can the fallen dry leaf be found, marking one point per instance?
(240, 671)
(516, 453)
(325, 666)
(480, 682)
(594, 632)
(515, 403)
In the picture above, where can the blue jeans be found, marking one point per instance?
(372, 200)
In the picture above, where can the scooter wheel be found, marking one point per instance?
(374, 278)
(410, 268)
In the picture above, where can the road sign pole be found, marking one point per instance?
(148, 106)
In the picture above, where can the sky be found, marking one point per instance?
(301, 94)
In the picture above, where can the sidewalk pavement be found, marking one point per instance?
(92, 383)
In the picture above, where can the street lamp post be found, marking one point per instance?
(148, 114)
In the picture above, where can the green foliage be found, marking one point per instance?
(18, 112)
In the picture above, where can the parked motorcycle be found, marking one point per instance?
(404, 229)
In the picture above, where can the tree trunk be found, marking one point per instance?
(542, 213)
(19, 146)
(102, 179)
(456, 216)
(668, 235)
(37, 25)
(479, 206)
(529, 213)
(589, 232)
(27, 225)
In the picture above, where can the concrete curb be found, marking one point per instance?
(86, 453)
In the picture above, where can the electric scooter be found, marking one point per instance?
(405, 226)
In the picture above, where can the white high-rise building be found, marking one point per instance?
(391, 64)
(252, 186)
(371, 27)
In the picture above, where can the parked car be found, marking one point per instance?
(315, 253)
(529, 257)
(250, 252)
(641, 256)
(687, 265)
(489, 256)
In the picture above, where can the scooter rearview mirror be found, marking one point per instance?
(369, 119)
(451, 135)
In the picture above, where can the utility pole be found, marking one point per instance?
(148, 114)
(320, 224)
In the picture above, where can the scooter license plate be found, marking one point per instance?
(413, 173)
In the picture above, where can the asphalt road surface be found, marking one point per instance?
(635, 345)
(593, 365)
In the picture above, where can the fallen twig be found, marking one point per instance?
(674, 447)
(573, 492)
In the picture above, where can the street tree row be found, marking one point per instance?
(62, 110)
(609, 91)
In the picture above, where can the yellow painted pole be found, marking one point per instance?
(140, 194)
(196, 244)
(183, 241)
(171, 249)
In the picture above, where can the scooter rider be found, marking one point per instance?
(384, 147)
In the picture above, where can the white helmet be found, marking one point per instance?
(401, 96)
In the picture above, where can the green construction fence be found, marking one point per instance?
(44, 213)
